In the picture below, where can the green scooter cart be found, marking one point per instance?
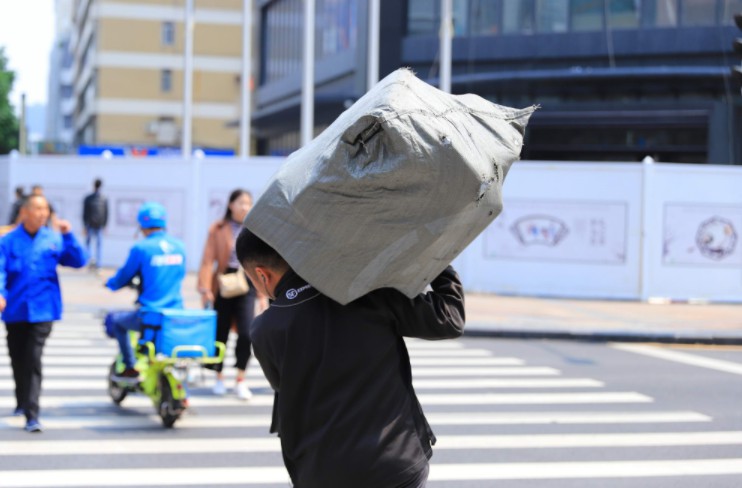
(172, 341)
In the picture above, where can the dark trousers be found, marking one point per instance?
(25, 345)
(240, 311)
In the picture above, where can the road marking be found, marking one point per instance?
(105, 362)
(457, 371)
(147, 419)
(50, 401)
(530, 418)
(112, 350)
(459, 384)
(99, 381)
(140, 446)
(575, 470)
(272, 444)
(533, 398)
(682, 357)
(144, 477)
(438, 472)
(586, 440)
(8, 385)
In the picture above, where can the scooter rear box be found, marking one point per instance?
(168, 328)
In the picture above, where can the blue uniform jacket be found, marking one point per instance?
(28, 273)
(159, 260)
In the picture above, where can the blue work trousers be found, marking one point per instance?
(97, 234)
(123, 324)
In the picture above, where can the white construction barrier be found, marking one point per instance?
(585, 230)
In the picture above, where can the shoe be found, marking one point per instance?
(33, 425)
(129, 375)
(219, 388)
(242, 391)
(19, 412)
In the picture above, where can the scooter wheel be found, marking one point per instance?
(115, 391)
(170, 409)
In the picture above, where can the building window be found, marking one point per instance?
(166, 80)
(283, 22)
(698, 12)
(67, 121)
(587, 15)
(729, 8)
(623, 14)
(552, 15)
(168, 33)
(65, 91)
(666, 13)
(423, 18)
(339, 27)
(518, 16)
(485, 17)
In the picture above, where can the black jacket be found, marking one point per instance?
(344, 407)
(95, 211)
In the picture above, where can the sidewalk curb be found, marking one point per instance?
(600, 336)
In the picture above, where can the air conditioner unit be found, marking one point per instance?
(152, 128)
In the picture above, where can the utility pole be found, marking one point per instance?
(22, 129)
(186, 141)
(245, 127)
(446, 41)
(307, 89)
(374, 14)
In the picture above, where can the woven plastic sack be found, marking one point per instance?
(393, 190)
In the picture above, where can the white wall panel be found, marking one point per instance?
(567, 229)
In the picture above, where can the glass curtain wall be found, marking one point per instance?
(492, 17)
(283, 24)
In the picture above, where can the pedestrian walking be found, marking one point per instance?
(15, 210)
(95, 219)
(30, 297)
(344, 407)
(223, 284)
(38, 191)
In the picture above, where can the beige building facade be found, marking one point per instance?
(128, 73)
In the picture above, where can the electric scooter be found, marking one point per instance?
(171, 342)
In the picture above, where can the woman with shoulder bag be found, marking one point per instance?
(222, 283)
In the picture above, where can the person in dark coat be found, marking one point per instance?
(17, 204)
(344, 408)
(95, 219)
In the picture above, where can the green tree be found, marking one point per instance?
(8, 120)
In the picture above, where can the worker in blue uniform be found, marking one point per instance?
(30, 299)
(158, 261)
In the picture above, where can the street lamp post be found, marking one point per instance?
(445, 46)
(187, 81)
(307, 90)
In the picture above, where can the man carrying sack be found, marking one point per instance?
(345, 240)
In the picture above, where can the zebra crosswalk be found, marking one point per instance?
(497, 418)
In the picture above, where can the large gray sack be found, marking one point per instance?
(393, 190)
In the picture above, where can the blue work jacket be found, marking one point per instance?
(159, 261)
(28, 272)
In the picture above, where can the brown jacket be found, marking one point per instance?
(218, 247)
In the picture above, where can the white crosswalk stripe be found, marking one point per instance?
(467, 392)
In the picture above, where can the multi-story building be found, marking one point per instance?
(61, 104)
(617, 79)
(128, 73)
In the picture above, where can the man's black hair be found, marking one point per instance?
(97, 183)
(254, 250)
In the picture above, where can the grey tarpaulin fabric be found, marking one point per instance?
(393, 190)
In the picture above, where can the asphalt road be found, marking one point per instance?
(506, 412)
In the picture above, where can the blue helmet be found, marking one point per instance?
(152, 215)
